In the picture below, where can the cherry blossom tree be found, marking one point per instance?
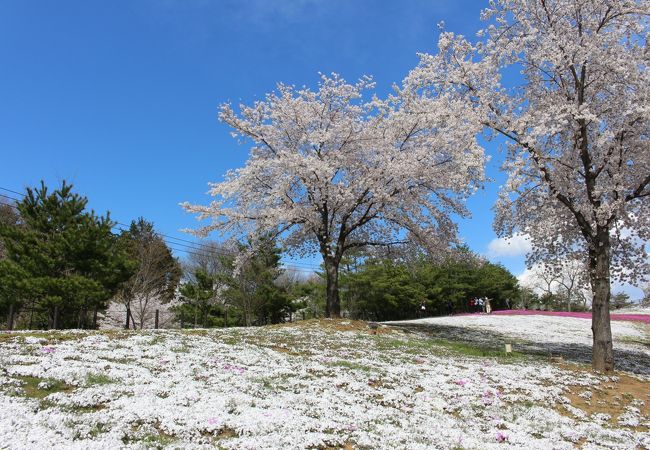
(155, 279)
(332, 172)
(565, 83)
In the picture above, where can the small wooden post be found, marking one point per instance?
(31, 316)
(10, 322)
(157, 316)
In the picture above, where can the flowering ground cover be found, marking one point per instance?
(634, 317)
(550, 335)
(315, 384)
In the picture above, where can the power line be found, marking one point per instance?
(195, 248)
(13, 192)
(10, 198)
(211, 251)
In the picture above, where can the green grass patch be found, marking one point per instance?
(407, 345)
(98, 429)
(160, 440)
(467, 349)
(94, 379)
(51, 337)
(196, 332)
(39, 388)
(351, 365)
(435, 345)
(183, 348)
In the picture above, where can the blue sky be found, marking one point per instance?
(121, 97)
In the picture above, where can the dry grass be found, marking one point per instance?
(340, 325)
(610, 397)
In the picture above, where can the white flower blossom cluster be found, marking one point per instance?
(565, 84)
(304, 386)
(337, 169)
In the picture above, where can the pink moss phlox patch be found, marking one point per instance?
(501, 436)
(234, 369)
(489, 396)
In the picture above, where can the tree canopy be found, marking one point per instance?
(566, 84)
(332, 172)
(61, 258)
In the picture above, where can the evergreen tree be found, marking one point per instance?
(199, 298)
(62, 258)
(389, 290)
(253, 288)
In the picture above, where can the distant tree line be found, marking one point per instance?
(64, 266)
(384, 289)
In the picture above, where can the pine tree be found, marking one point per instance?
(62, 258)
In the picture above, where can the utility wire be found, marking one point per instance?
(194, 248)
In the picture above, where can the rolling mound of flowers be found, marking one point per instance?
(315, 385)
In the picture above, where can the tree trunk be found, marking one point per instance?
(128, 316)
(55, 318)
(599, 262)
(333, 301)
(10, 321)
(95, 318)
(31, 315)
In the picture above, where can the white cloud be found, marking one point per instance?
(517, 245)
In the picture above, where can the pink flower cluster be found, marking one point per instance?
(489, 396)
(234, 369)
(501, 436)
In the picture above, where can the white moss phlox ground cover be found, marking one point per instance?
(561, 336)
(539, 329)
(286, 387)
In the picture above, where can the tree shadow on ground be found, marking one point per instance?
(632, 359)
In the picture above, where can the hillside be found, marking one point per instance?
(315, 384)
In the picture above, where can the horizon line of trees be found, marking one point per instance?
(62, 266)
